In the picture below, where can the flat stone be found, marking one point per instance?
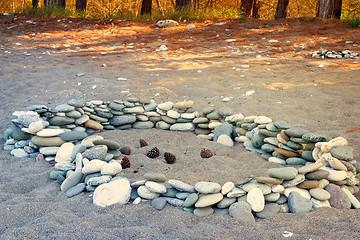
(339, 141)
(170, 192)
(214, 116)
(262, 120)
(97, 152)
(227, 187)
(144, 192)
(191, 200)
(112, 168)
(166, 106)
(88, 141)
(200, 120)
(296, 161)
(94, 125)
(241, 213)
(224, 128)
(64, 108)
(319, 204)
(47, 141)
(272, 197)
(158, 203)
(207, 187)
(77, 189)
(310, 137)
(286, 173)
(354, 201)
(81, 120)
(256, 199)
(93, 166)
(236, 192)
(206, 200)
(299, 204)
(268, 180)
(342, 152)
(269, 211)
(307, 155)
(257, 140)
(266, 189)
(183, 127)
(19, 153)
(224, 111)
(320, 194)
(203, 212)
(112, 145)
(183, 105)
(73, 136)
(48, 151)
(122, 119)
(303, 192)
(134, 110)
(281, 124)
(64, 152)
(293, 182)
(277, 160)
(317, 175)
(77, 102)
(60, 121)
(156, 187)
(181, 186)
(295, 132)
(286, 153)
(115, 192)
(225, 202)
(310, 167)
(27, 119)
(73, 114)
(156, 177)
(268, 133)
(309, 184)
(277, 188)
(225, 140)
(338, 198)
(163, 125)
(175, 202)
(168, 119)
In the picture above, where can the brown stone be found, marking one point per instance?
(339, 183)
(93, 124)
(308, 184)
(286, 153)
(348, 165)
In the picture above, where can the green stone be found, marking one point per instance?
(155, 119)
(268, 180)
(54, 174)
(124, 127)
(202, 131)
(104, 114)
(296, 161)
(310, 137)
(168, 119)
(317, 175)
(298, 140)
(183, 120)
(112, 145)
(143, 125)
(98, 118)
(117, 113)
(116, 106)
(269, 148)
(47, 141)
(294, 145)
(295, 132)
(60, 121)
(73, 114)
(268, 133)
(73, 136)
(245, 126)
(214, 116)
(156, 177)
(285, 173)
(132, 99)
(271, 127)
(200, 120)
(191, 200)
(18, 135)
(109, 127)
(285, 147)
(307, 155)
(203, 125)
(77, 102)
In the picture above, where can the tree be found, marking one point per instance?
(250, 8)
(80, 5)
(146, 7)
(56, 3)
(329, 9)
(182, 4)
(281, 9)
(35, 3)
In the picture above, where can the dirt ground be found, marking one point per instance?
(39, 63)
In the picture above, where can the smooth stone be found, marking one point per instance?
(271, 127)
(317, 175)
(257, 140)
(282, 199)
(77, 189)
(73, 136)
(183, 105)
(241, 213)
(124, 127)
(182, 195)
(134, 110)
(189, 209)
(277, 188)
(35, 127)
(200, 131)
(308, 184)
(181, 186)
(336, 164)
(73, 114)
(115, 192)
(213, 124)
(269, 211)
(166, 106)
(320, 194)
(310, 137)
(268, 133)
(175, 202)
(170, 192)
(206, 200)
(295, 132)
(262, 120)
(158, 203)
(53, 174)
(225, 140)
(93, 125)
(64, 108)
(123, 120)
(225, 111)
(213, 115)
(345, 153)
(277, 160)
(310, 167)
(25, 120)
(144, 192)
(354, 201)
(103, 114)
(188, 116)
(266, 189)
(319, 204)
(47, 141)
(150, 106)
(256, 199)
(19, 153)
(226, 202)
(64, 166)
(183, 127)
(163, 125)
(64, 152)
(272, 140)
(303, 192)
(9, 147)
(335, 175)
(298, 140)
(338, 198)
(116, 106)
(307, 155)
(224, 128)
(77, 102)
(97, 152)
(98, 118)
(268, 180)
(155, 187)
(200, 120)
(339, 141)
(112, 145)
(203, 212)
(296, 161)
(294, 145)
(111, 168)
(236, 192)
(60, 121)
(88, 141)
(48, 151)
(285, 173)
(285, 152)
(299, 204)
(93, 166)
(272, 197)
(227, 187)
(81, 120)
(281, 124)
(168, 120)
(293, 182)
(191, 200)
(173, 114)
(155, 177)
(207, 187)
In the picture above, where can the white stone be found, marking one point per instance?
(227, 187)
(188, 115)
(152, 114)
(354, 202)
(137, 201)
(214, 123)
(242, 139)
(93, 166)
(48, 132)
(256, 199)
(35, 127)
(206, 200)
(234, 118)
(117, 191)
(111, 168)
(250, 119)
(262, 120)
(303, 192)
(183, 127)
(173, 114)
(277, 188)
(64, 152)
(88, 141)
(163, 125)
(277, 160)
(225, 140)
(155, 187)
(319, 204)
(75, 178)
(30, 113)
(18, 152)
(335, 175)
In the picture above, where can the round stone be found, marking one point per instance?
(47, 141)
(227, 187)
(206, 200)
(299, 204)
(281, 124)
(181, 186)
(320, 194)
(64, 108)
(123, 119)
(241, 212)
(73, 136)
(191, 200)
(224, 128)
(94, 125)
(203, 212)
(158, 203)
(225, 140)
(256, 199)
(310, 167)
(144, 192)
(269, 211)
(308, 184)
(226, 202)
(207, 187)
(156, 177)
(296, 161)
(286, 173)
(111, 144)
(342, 152)
(97, 152)
(166, 106)
(262, 120)
(272, 197)
(64, 152)
(317, 175)
(73, 114)
(302, 192)
(111, 168)
(155, 187)
(82, 119)
(60, 121)
(173, 114)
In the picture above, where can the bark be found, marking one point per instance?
(146, 6)
(35, 3)
(250, 8)
(56, 3)
(329, 9)
(81, 5)
(182, 4)
(281, 9)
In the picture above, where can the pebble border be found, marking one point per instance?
(328, 177)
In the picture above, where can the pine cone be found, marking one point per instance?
(143, 143)
(125, 150)
(206, 153)
(125, 162)
(153, 153)
(169, 158)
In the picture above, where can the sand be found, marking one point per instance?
(199, 66)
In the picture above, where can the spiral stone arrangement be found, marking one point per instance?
(334, 54)
(316, 171)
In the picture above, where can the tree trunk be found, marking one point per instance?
(35, 3)
(182, 4)
(250, 8)
(146, 6)
(56, 3)
(281, 9)
(329, 9)
(81, 5)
